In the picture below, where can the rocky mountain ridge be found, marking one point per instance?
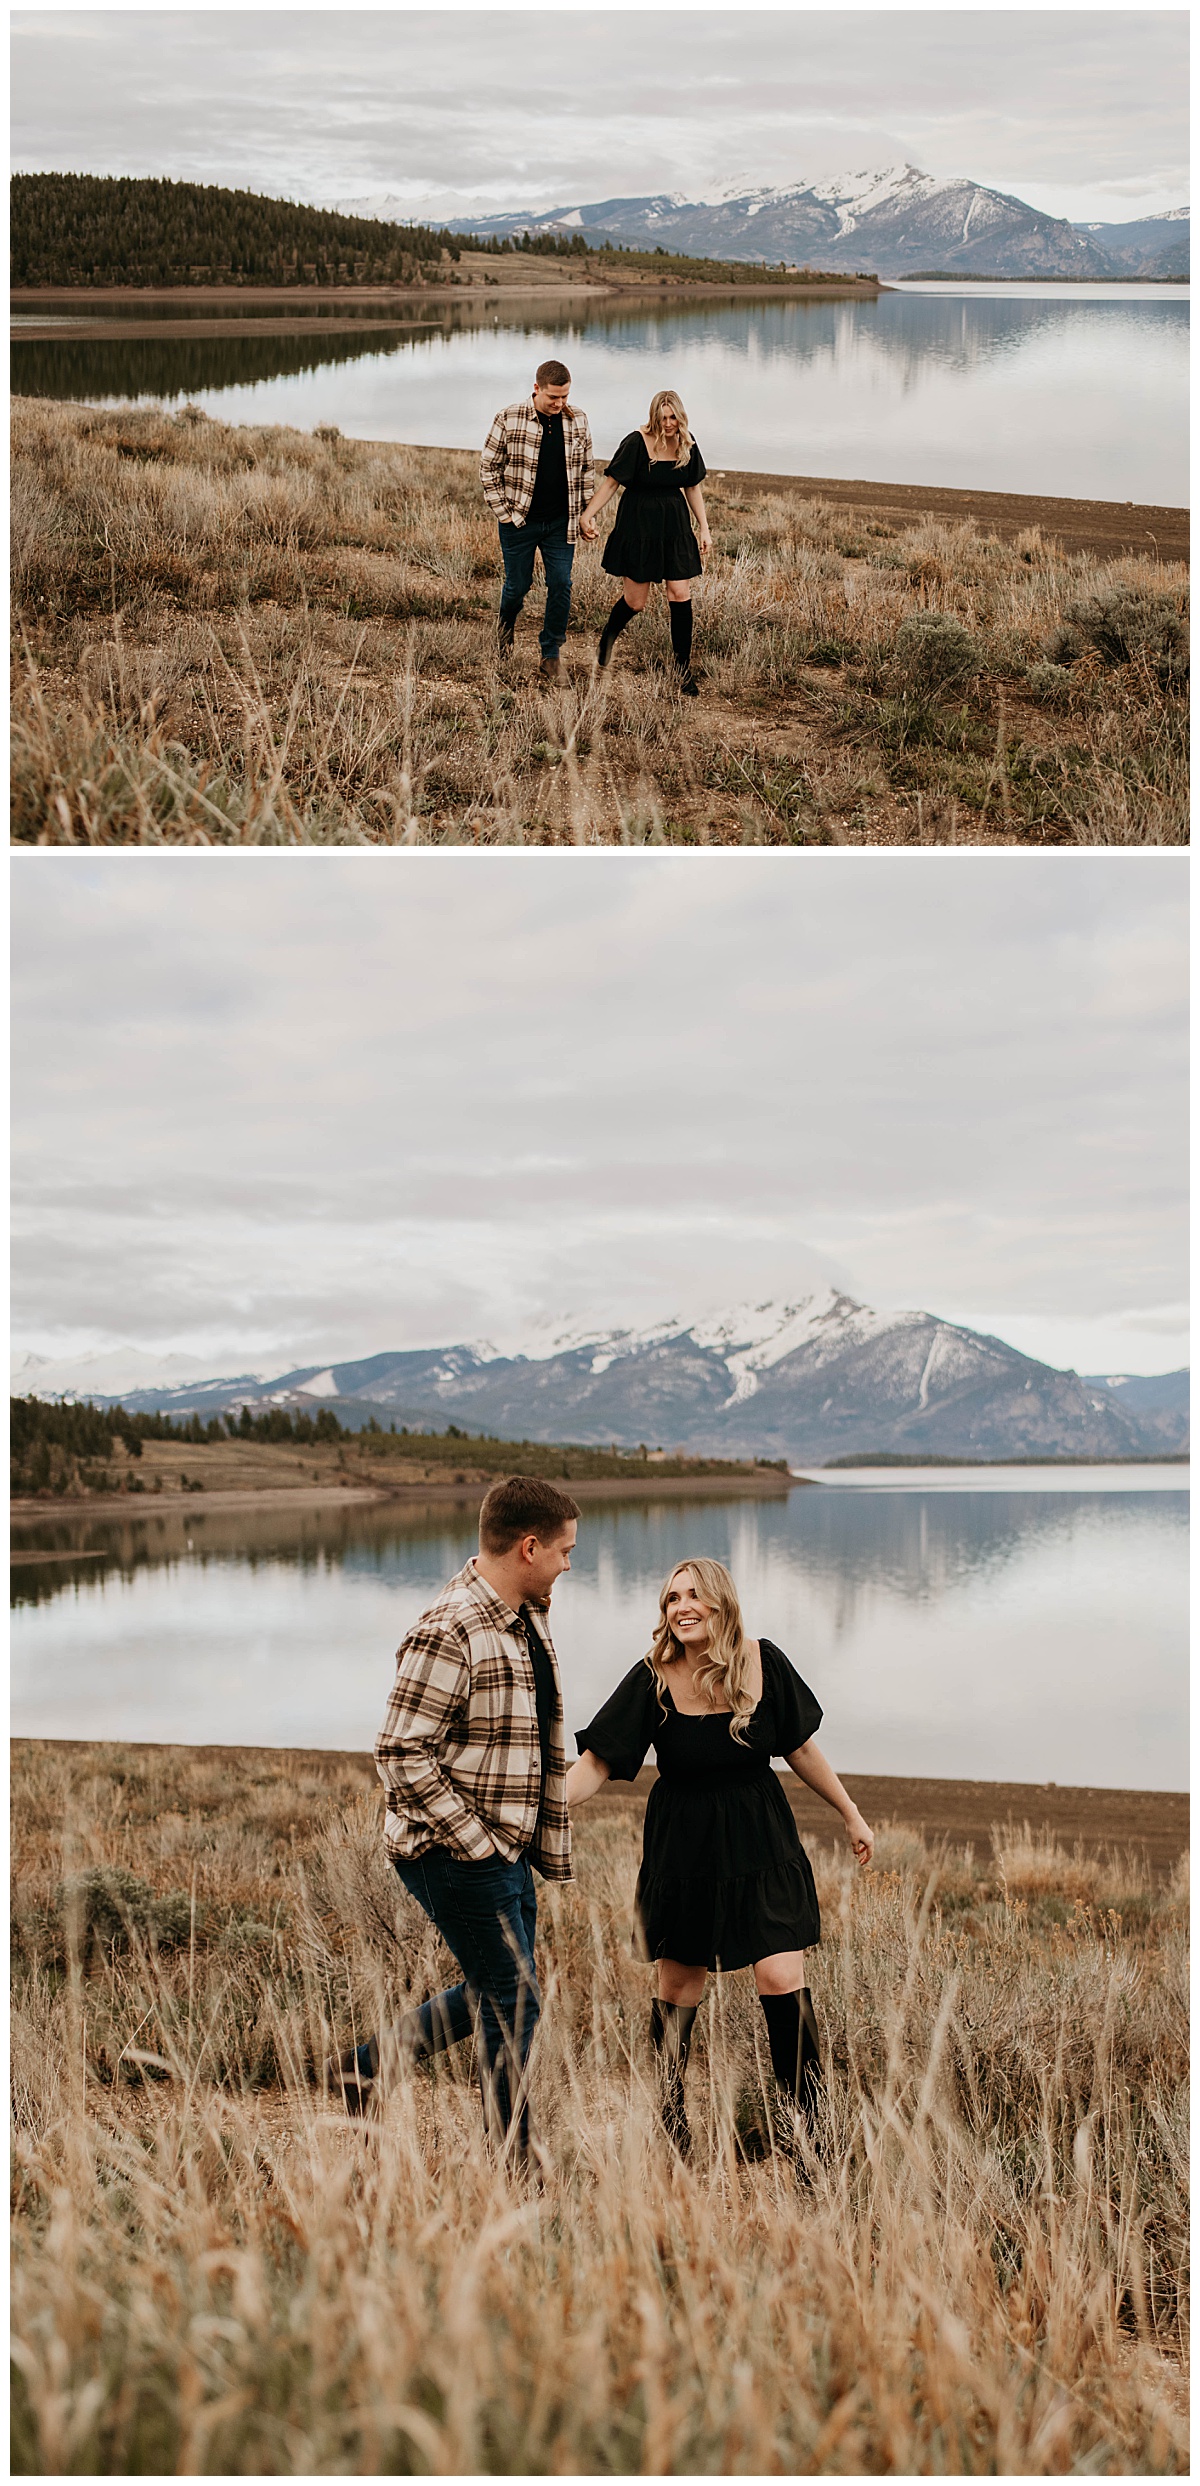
(890, 219)
(814, 1379)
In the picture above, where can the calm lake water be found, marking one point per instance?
(1074, 390)
(968, 1629)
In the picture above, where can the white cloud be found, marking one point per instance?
(325, 1104)
(541, 107)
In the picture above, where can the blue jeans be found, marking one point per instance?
(519, 546)
(487, 1914)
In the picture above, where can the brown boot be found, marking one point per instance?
(550, 670)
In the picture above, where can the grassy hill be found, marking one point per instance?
(95, 230)
(59, 1452)
(86, 229)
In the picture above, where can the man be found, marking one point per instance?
(473, 1756)
(538, 474)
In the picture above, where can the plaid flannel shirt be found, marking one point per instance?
(458, 1750)
(509, 464)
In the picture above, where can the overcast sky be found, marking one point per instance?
(1081, 112)
(287, 1107)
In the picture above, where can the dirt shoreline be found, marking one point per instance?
(134, 1506)
(959, 1810)
(1103, 527)
(525, 284)
(963, 1810)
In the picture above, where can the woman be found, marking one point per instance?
(724, 1880)
(661, 470)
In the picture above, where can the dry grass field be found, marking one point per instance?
(237, 636)
(216, 2273)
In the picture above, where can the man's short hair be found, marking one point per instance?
(523, 1506)
(552, 375)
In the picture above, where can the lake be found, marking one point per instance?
(1078, 391)
(966, 1628)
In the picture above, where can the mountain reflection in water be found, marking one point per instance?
(981, 1634)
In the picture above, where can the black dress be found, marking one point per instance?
(653, 537)
(724, 1878)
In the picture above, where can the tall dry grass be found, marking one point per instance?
(217, 2273)
(235, 635)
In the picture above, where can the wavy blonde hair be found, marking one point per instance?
(726, 1670)
(667, 397)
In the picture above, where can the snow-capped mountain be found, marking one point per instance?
(122, 1371)
(810, 1379)
(1150, 246)
(892, 219)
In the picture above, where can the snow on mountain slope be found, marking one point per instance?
(818, 1376)
(891, 217)
(109, 1375)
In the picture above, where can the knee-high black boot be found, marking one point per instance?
(681, 645)
(795, 2052)
(620, 614)
(671, 2037)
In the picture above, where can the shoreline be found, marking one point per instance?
(1106, 528)
(525, 285)
(960, 1811)
(771, 1486)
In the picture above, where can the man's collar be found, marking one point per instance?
(487, 1595)
(485, 1592)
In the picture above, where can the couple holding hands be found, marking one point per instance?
(539, 479)
(472, 1754)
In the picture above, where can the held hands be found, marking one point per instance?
(588, 529)
(862, 1839)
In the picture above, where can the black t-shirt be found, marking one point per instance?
(550, 482)
(543, 1685)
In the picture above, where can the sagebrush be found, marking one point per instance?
(216, 2272)
(234, 635)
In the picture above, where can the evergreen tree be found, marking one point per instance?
(88, 229)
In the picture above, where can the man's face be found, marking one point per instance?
(549, 400)
(548, 1561)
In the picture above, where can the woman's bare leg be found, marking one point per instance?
(678, 1983)
(782, 1973)
(636, 592)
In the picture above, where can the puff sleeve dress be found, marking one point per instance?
(653, 537)
(724, 1879)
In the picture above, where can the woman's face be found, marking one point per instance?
(687, 1614)
(668, 423)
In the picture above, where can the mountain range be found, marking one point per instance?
(889, 219)
(820, 1378)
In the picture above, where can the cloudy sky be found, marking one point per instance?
(1082, 112)
(288, 1107)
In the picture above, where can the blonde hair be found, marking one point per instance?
(726, 1669)
(667, 397)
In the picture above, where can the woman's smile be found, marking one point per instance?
(687, 1614)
